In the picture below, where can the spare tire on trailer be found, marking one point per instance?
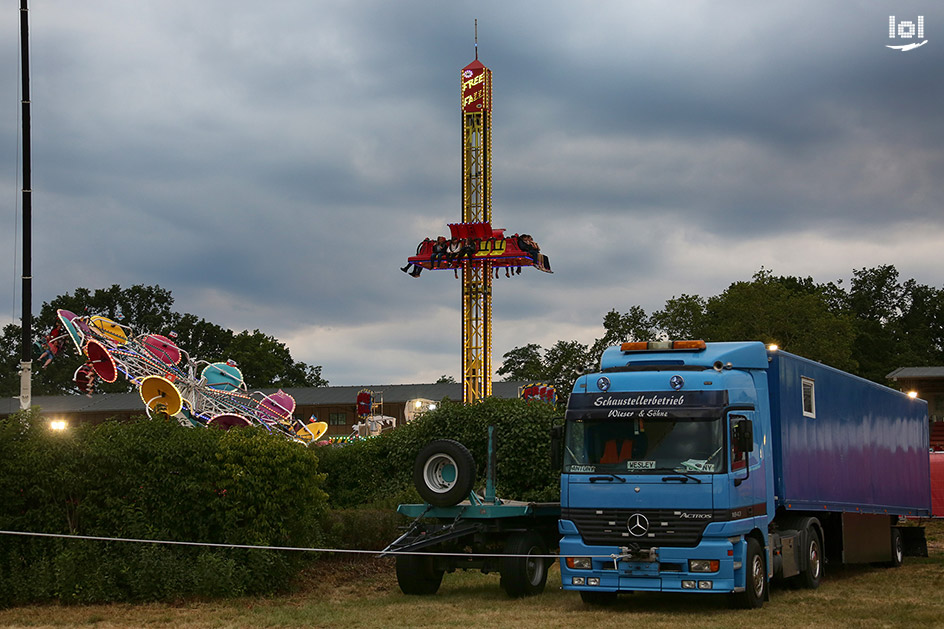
(444, 473)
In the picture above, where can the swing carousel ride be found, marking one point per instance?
(169, 381)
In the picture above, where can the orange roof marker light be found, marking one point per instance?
(663, 346)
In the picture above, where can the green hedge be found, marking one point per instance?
(378, 471)
(152, 480)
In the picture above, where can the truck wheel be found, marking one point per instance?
(898, 549)
(755, 581)
(524, 576)
(598, 598)
(813, 574)
(444, 473)
(416, 575)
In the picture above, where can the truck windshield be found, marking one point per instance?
(681, 444)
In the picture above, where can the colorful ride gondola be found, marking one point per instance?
(482, 243)
(169, 383)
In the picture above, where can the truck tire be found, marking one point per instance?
(600, 599)
(755, 580)
(524, 576)
(812, 575)
(898, 549)
(417, 576)
(444, 473)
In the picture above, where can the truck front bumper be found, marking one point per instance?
(714, 565)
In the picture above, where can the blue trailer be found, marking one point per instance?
(717, 467)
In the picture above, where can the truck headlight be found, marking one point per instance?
(579, 563)
(703, 565)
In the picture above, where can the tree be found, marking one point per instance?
(263, 359)
(201, 338)
(878, 325)
(564, 361)
(524, 363)
(777, 310)
(876, 295)
(558, 365)
(682, 318)
(267, 362)
(446, 379)
(10, 356)
(920, 328)
(618, 328)
(897, 324)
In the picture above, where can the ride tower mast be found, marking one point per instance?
(476, 91)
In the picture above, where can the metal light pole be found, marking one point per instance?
(26, 359)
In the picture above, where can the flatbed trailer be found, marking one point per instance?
(511, 538)
(482, 532)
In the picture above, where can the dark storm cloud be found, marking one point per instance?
(273, 165)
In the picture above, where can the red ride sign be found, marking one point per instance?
(476, 88)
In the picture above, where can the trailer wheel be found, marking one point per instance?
(417, 576)
(525, 575)
(813, 574)
(755, 582)
(601, 599)
(444, 473)
(898, 549)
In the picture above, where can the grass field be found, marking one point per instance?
(364, 593)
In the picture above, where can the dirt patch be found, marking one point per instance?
(342, 576)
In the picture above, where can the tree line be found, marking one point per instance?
(264, 360)
(877, 324)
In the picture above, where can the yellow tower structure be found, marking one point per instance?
(476, 91)
(476, 249)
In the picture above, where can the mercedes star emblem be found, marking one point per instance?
(638, 525)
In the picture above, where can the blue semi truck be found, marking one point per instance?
(717, 467)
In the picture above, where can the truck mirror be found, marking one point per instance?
(743, 434)
(557, 438)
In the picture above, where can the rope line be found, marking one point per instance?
(291, 548)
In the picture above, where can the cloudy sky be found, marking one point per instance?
(273, 164)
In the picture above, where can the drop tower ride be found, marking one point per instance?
(476, 251)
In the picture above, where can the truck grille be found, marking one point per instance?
(666, 527)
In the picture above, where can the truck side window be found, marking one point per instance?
(738, 458)
(809, 397)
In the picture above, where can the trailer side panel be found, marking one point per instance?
(846, 444)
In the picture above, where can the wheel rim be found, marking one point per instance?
(534, 566)
(815, 563)
(757, 574)
(899, 552)
(440, 473)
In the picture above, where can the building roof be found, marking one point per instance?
(308, 396)
(912, 373)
